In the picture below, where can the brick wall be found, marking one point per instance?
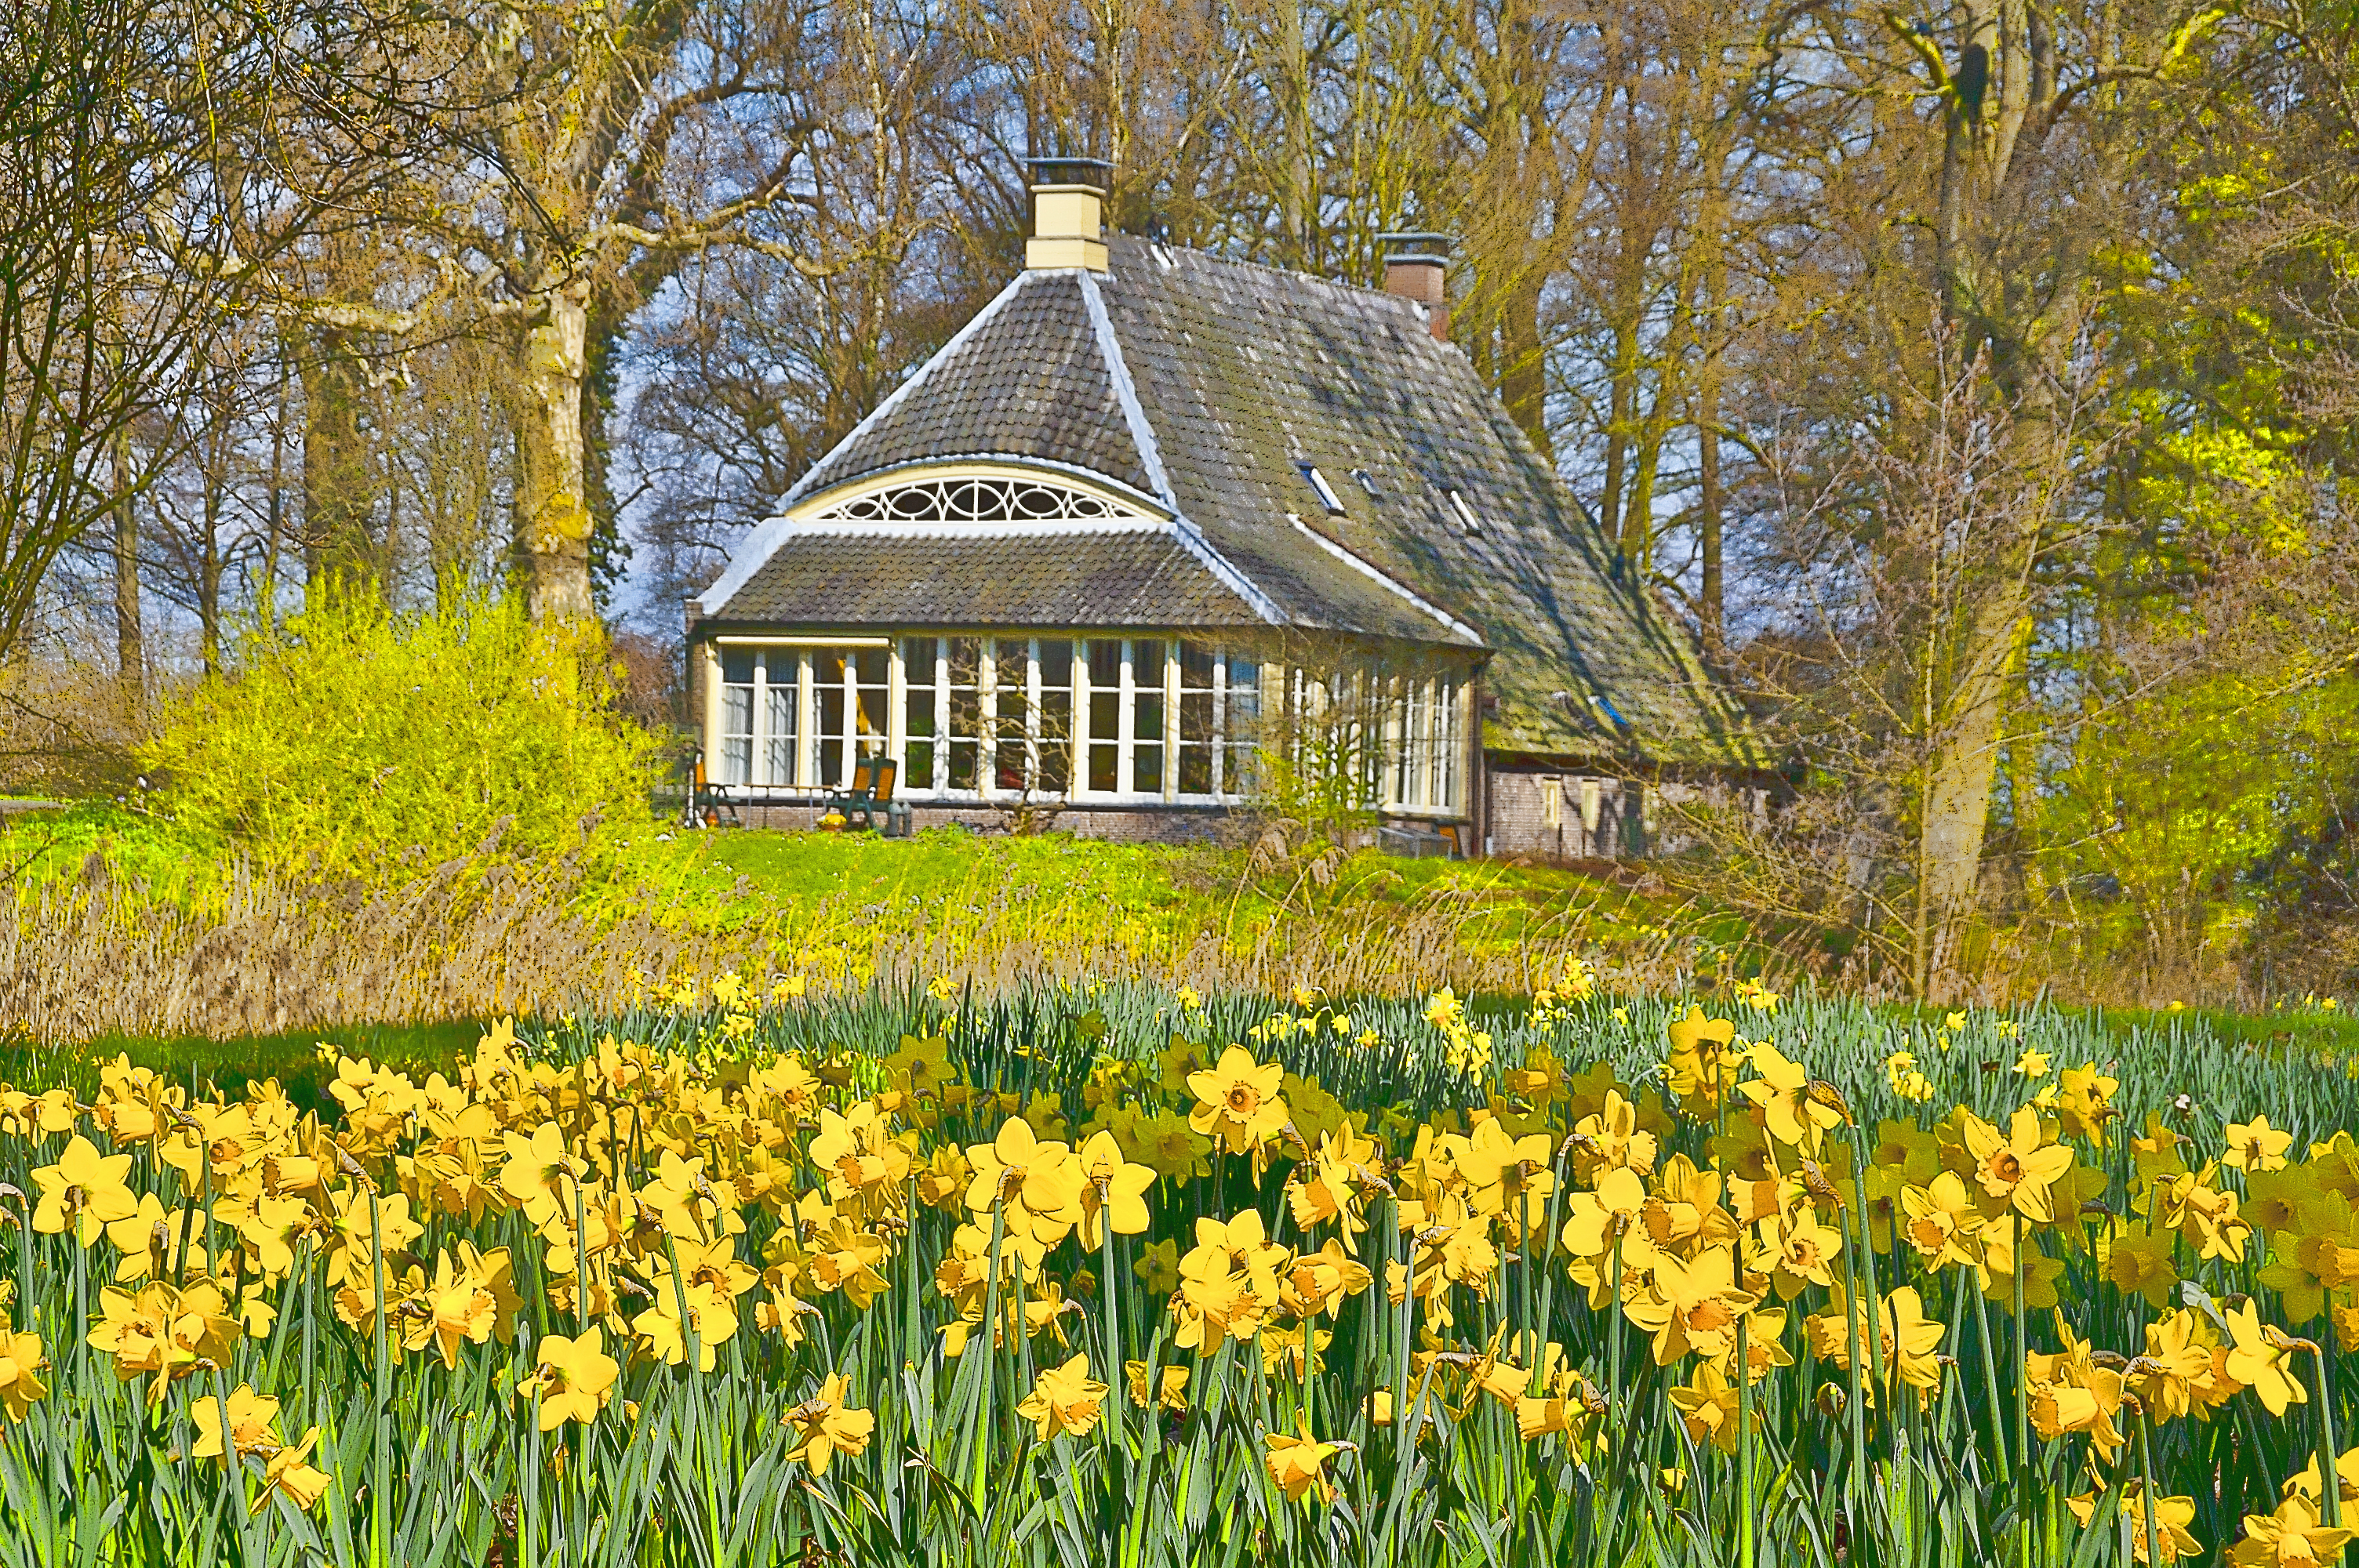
(1142, 825)
(1564, 815)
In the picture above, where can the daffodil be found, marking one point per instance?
(2292, 1537)
(247, 1426)
(826, 1425)
(2255, 1145)
(161, 1333)
(574, 1377)
(84, 1190)
(1691, 1307)
(2172, 1517)
(2261, 1359)
(1237, 1102)
(1785, 1101)
(1297, 1463)
(1113, 1192)
(22, 1362)
(2019, 1166)
(1063, 1400)
(1700, 1069)
(1038, 1180)
(1171, 1387)
(1707, 1404)
(285, 1474)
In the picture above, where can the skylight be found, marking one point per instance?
(1466, 517)
(1368, 483)
(1327, 496)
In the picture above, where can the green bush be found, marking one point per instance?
(351, 735)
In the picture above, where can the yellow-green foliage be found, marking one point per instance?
(351, 735)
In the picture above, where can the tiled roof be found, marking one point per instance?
(1064, 578)
(1204, 383)
(1030, 377)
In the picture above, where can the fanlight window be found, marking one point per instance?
(978, 500)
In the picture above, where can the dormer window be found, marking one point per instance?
(1327, 496)
(1466, 518)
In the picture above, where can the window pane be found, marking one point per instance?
(1195, 667)
(737, 665)
(1011, 672)
(873, 669)
(736, 734)
(1241, 726)
(828, 715)
(965, 657)
(1056, 721)
(918, 693)
(780, 670)
(1147, 716)
(1195, 770)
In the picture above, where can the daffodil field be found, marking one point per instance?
(1111, 1274)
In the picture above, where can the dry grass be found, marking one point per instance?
(482, 936)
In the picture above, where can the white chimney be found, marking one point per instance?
(1068, 213)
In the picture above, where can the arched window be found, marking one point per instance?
(978, 499)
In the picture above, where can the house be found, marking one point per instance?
(1157, 536)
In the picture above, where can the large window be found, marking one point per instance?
(1112, 719)
(801, 717)
(760, 703)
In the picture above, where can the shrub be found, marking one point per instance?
(351, 735)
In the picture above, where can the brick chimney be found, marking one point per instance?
(1416, 265)
(1068, 213)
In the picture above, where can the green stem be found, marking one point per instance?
(2145, 1486)
(1855, 1487)
(2329, 1479)
(1614, 1353)
(380, 1457)
(1873, 1305)
(1110, 1311)
(1990, 1368)
(2022, 1410)
(1744, 1554)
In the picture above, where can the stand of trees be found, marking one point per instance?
(1975, 379)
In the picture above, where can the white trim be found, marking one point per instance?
(1073, 529)
(1379, 577)
(810, 640)
(1125, 391)
(1150, 453)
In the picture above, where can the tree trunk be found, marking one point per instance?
(130, 660)
(608, 554)
(1958, 774)
(552, 522)
(1523, 369)
(1710, 599)
(1617, 434)
(337, 494)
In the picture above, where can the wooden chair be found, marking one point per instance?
(708, 802)
(871, 796)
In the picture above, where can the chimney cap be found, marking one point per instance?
(1056, 168)
(1413, 245)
